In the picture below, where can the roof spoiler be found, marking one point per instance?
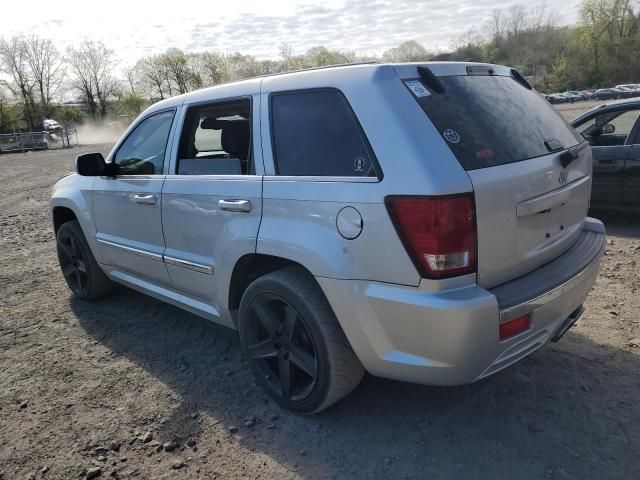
(520, 79)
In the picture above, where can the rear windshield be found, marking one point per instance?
(494, 120)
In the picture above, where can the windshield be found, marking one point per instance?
(494, 120)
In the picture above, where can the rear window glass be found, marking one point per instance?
(315, 133)
(494, 120)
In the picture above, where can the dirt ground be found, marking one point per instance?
(106, 384)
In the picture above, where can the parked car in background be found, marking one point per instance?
(569, 97)
(576, 94)
(632, 90)
(613, 130)
(606, 94)
(555, 98)
(388, 218)
(588, 93)
(51, 126)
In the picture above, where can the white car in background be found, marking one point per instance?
(51, 126)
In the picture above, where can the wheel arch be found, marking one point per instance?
(60, 215)
(250, 267)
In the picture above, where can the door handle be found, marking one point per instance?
(145, 199)
(235, 205)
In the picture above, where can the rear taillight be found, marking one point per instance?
(513, 327)
(439, 233)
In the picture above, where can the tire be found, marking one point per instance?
(289, 331)
(78, 265)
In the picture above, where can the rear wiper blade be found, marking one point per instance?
(430, 80)
(553, 145)
(566, 158)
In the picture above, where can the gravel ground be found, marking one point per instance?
(104, 389)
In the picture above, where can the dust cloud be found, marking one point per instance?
(90, 134)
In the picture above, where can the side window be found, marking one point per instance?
(142, 153)
(609, 128)
(315, 133)
(216, 140)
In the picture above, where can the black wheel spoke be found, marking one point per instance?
(267, 318)
(289, 322)
(304, 361)
(82, 266)
(78, 279)
(285, 373)
(262, 350)
(69, 270)
(74, 248)
(66, 250)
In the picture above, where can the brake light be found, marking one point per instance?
(439, 233)
(515, 326)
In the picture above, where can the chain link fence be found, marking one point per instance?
(23, 141)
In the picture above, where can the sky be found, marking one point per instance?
(133, 29)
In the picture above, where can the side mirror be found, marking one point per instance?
(608, 129)
(93, 165)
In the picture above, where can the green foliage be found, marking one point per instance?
(600, 51)
(10, 113)
(130, 104)
(68, 115)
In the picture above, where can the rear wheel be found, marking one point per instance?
(294, 343)
(79, 267)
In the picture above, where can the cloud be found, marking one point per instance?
(258, 27)
(360, 25)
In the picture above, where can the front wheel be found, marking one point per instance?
(82, 273)
(294, 343)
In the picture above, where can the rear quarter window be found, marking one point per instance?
(315, 133)
(494, 120)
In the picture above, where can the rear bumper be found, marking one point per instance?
(450, 337)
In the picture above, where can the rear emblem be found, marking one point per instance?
(562, 179)
(451, 135)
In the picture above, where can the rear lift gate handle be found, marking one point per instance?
(551, 199)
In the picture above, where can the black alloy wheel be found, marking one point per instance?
(72, 262)
(282, 348)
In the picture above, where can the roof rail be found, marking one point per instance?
(286, 72)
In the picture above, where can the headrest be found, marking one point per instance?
(235, 138)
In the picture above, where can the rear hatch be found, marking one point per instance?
(531, 172)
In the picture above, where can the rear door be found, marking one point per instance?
(529, 207)
(211, 199)
(127, 208)
(631, 176)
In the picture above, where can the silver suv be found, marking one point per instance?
(422, 222)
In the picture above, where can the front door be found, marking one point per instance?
(211, 199)
(609, 133)
(631, 180)
(127, 207)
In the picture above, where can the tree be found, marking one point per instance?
(152, 75)
(14, 64)
(131, 104)
(180, 70)
(69, 115)
(46, 70)
(410, 51)
(9, 111)
(213, 68)
(91, 66)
